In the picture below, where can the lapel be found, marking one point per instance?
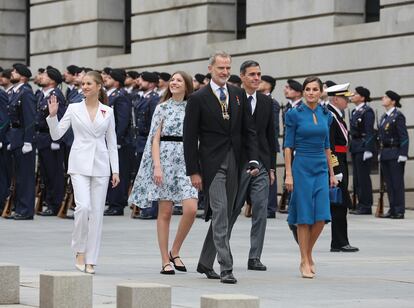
(101, 115)
(213, 104)
(257, 115)
(340, 121)
(234, 105)
(83, 116)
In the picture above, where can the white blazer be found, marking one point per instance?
(94, 150)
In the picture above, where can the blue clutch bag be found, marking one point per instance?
(335, 195)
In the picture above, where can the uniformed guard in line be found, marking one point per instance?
(362, 149)
(51, 153)
(130, 84)
(22, 112)
(198, 81)
(266, 87)
(143, 109)
(72, 94)
(163, 81)
(36, 81)
(4, 161)
(338, 137)
(393, 138)
(117, 198)
(6, 81)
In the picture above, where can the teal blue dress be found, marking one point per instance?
(309, 200)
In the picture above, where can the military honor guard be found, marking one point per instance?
(267, 86)
(143, 109)
(51, 153)
(163, 81)
(362, 148)
(118, 100)
(393, 138)
(72, 94)
(4, 161)
(338, 101)
(198, 81)
(22, 113)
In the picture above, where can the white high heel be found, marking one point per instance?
(80, 267)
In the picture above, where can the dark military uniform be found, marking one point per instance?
(117, 198)
(363, 140)
(22, 113)
(143, 109)
(4, 161)
(393, 137)
(338, 133)
(51, 157)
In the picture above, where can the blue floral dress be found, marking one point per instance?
(176, 184)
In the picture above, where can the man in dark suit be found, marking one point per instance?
(117, 197)
(256, 188)
(338, 137)
(217, 123)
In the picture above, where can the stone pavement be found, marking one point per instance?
(380, 275)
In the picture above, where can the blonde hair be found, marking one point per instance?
(96, 76)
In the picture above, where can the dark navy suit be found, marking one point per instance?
(5, 176)
(272, 202)
(393, 139)
(118, 100)
(22, 113)
(363, 139)
(143, 109)
(51, 161)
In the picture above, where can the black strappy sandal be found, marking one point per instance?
(180, 268)
(169, 272)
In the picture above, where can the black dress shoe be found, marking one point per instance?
(209, 272)
(386, 215)
(256, 265)
(113, 212)
(227, 277)
(48, 212)
(177, 210)
(271, 215)
(346, 248)
(362, 212)
(397, 216)
(22, 217)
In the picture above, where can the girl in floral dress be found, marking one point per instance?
(162, 173)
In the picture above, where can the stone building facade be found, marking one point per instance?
(289, 38)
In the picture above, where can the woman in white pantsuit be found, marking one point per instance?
(92, 157)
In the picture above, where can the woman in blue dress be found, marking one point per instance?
(162, 174)
(309, 175)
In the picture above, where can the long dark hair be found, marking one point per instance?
(96, 76)
(188, 81)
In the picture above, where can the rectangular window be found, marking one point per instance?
(372, 10)
(241, 19)
(127, 27)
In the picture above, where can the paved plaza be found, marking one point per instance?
(380, 275)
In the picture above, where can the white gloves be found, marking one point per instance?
(54, 146)
(339, 177)
(9, 147)
(27, 147)
(118, 146)
(1, 145)
(367, 155)
(402, 159)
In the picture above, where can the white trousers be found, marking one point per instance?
(90, 193)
